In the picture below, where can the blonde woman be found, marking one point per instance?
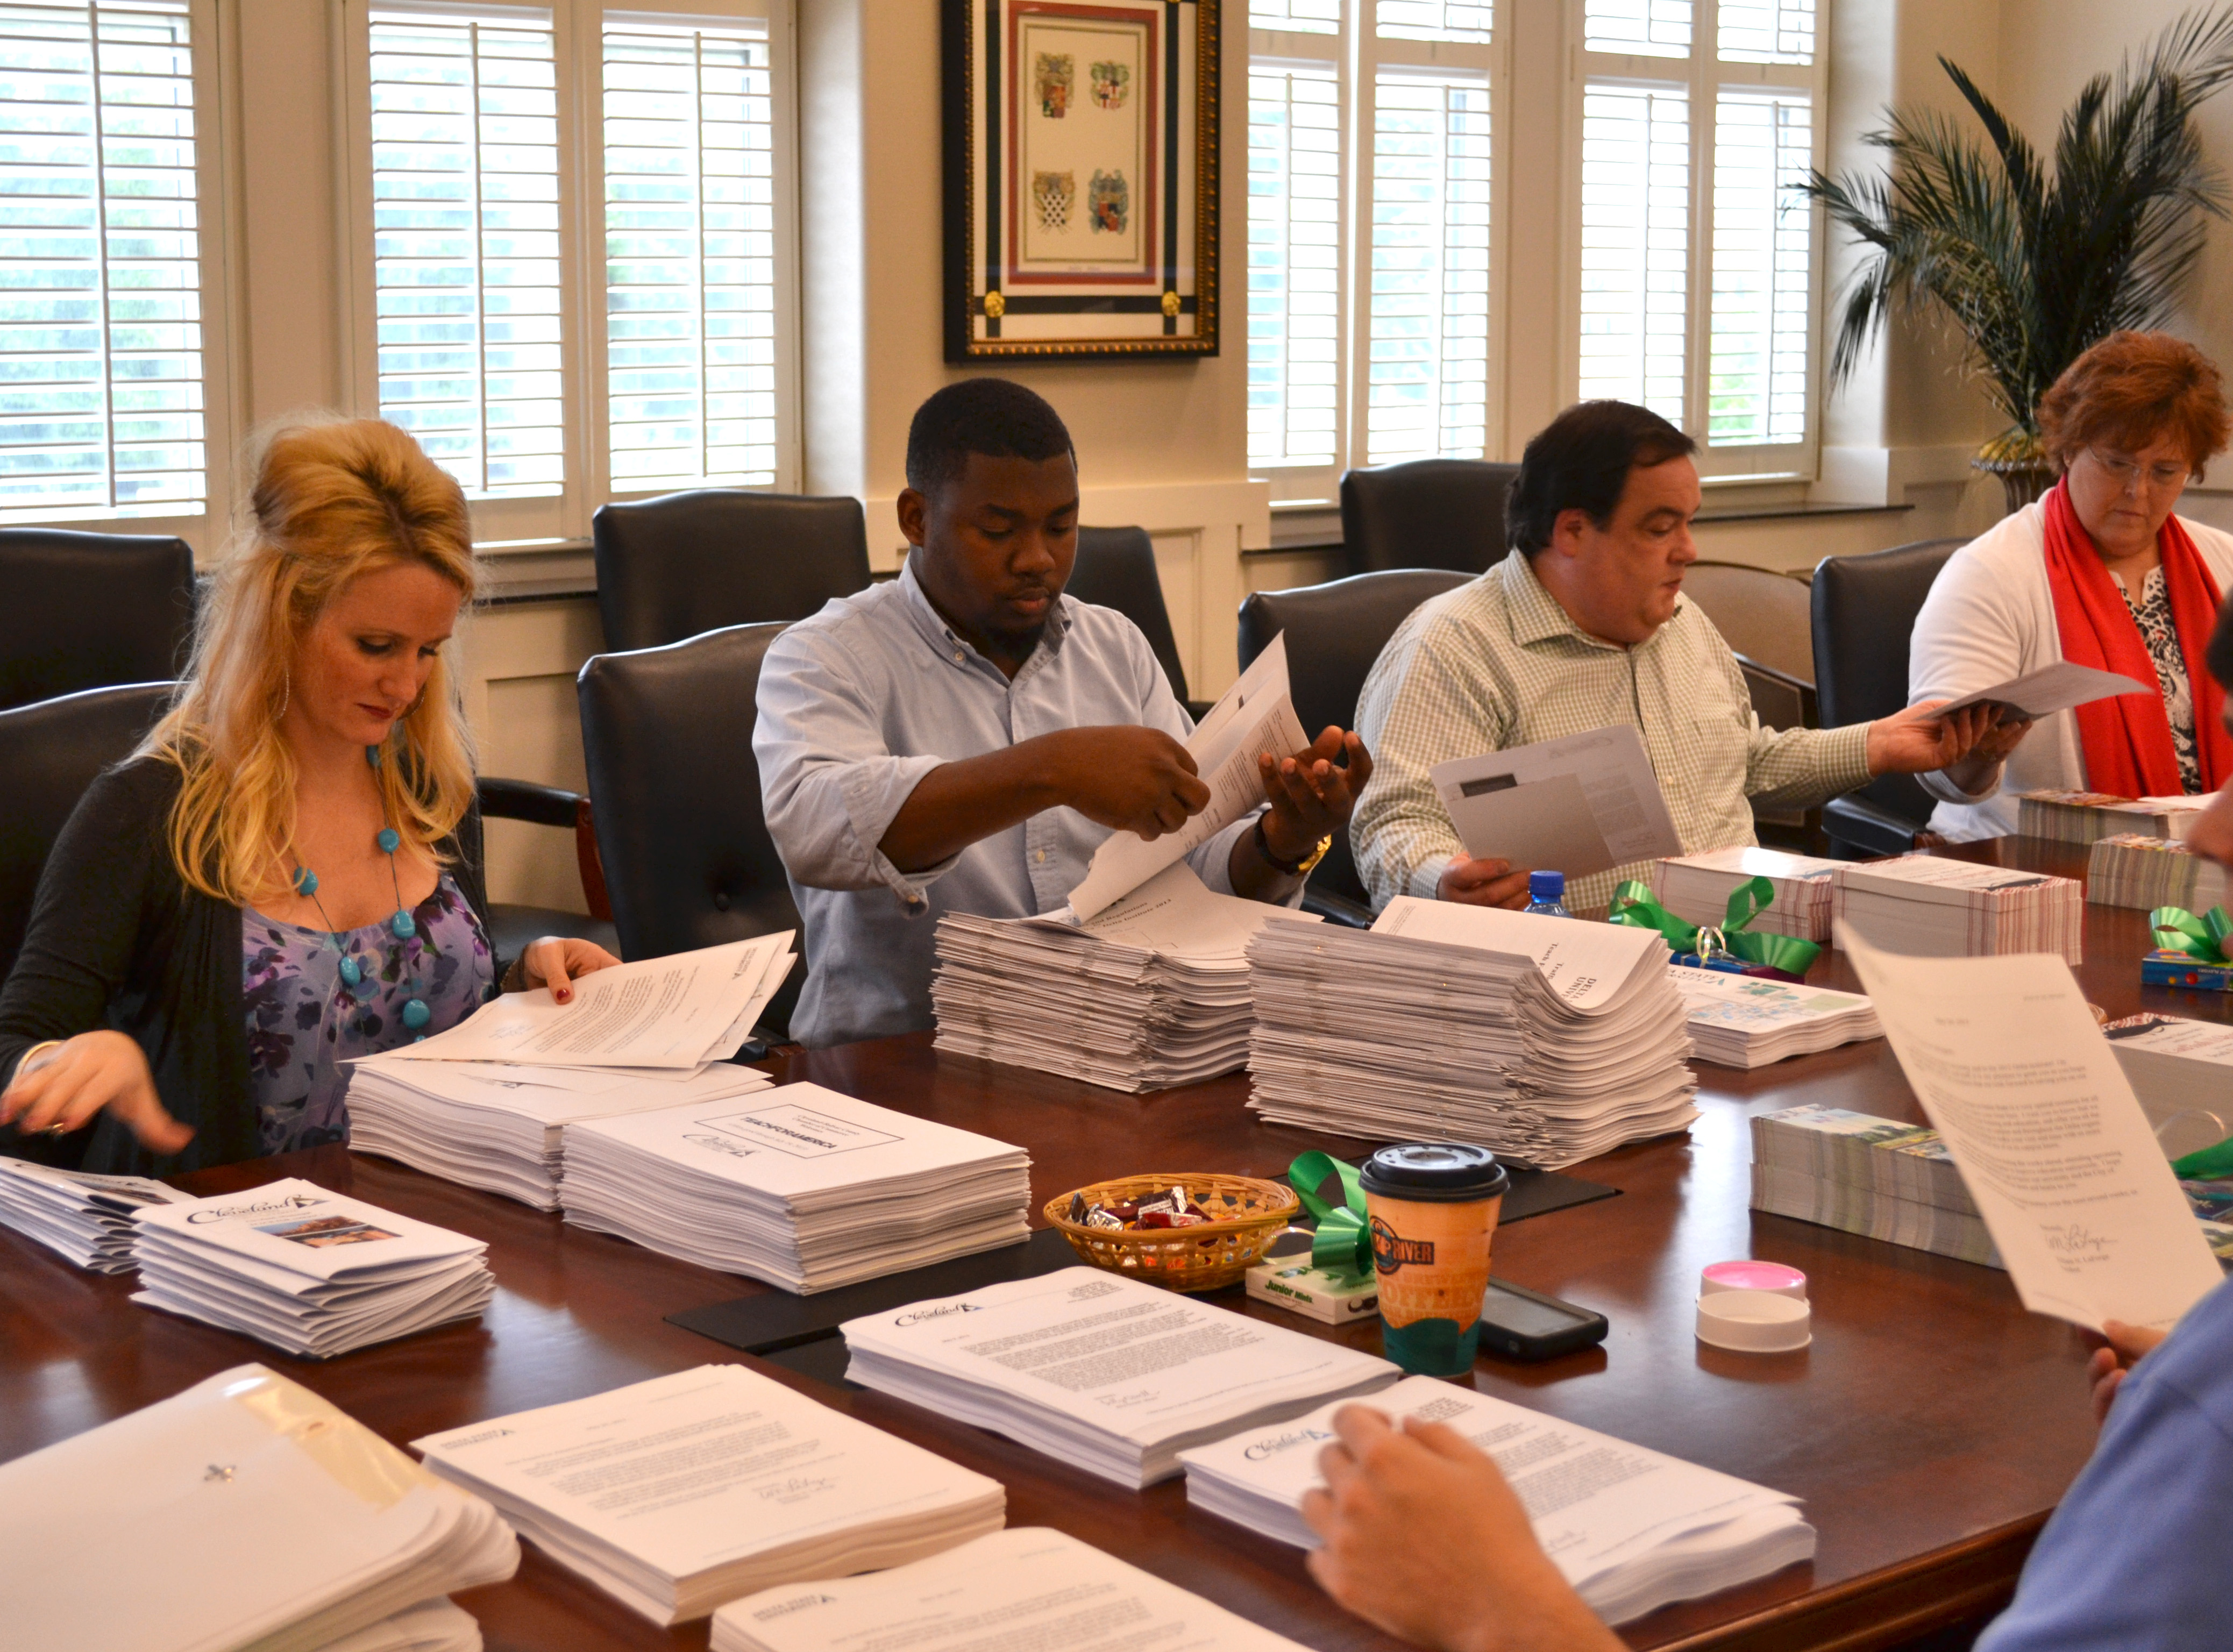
(284, 875)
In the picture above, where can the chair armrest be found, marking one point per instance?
(503, 799)
(1338, 908)
(1784, 687)
(1858, 824)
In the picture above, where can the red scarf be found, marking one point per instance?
(2127, 740)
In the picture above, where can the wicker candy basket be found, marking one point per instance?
(1246, 1211)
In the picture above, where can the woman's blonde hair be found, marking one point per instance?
(333, 500)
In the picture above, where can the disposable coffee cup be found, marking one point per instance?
(1432, 1207)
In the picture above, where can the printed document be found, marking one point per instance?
(1255, 716)
(1175, 914)
(2058, 688)
(1575, 805)
(1587, 964)
(2025, 1091)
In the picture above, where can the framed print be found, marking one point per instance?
(1081, 177)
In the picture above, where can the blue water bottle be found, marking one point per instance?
(1547, 893)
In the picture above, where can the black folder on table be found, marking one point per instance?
(775, 1319)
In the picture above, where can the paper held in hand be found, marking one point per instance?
(2025, 1091)
(680, 1011)
(1255, 718)
(1575, 805)
(2058, 687)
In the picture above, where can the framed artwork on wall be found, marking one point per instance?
(1081, 178)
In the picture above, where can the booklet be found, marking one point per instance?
(1591, 966)
(2008, 1062)
(2058, 687)
(1575, 805)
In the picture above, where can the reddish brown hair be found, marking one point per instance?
(2131, 388)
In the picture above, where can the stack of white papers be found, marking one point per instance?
(252, 1512)
(1148, 994)
(2088, 817)
(1698, 886)
(85, 1218)
(1926, 906)
(678, 1011)
(2132, 869)
(1631, 1529)
(1116, 1376)
(1749, 1021)
(1546, 1040)
(2181, 1071)
(799, 1185)
(1029, 1590)
(499, 1126)
(677, 1494)
(314, 1272)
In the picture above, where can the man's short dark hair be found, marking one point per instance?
(994, 416)
(1581, 461)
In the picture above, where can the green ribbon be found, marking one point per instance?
(2201, 938)
(1343, 1244)
(1632, 903)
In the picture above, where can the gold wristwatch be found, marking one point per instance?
(1291, 868)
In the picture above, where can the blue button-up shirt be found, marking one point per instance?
(860, 702)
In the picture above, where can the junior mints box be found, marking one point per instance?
(1336, 1298)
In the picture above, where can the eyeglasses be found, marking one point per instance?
(2165, 476)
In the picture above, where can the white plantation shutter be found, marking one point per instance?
(1304, 16)
(1762, 279)
(101, 348)
(465, 229)
(1294, 264)
(690, 255)
(1767, 31)
(1640, 27)
(1636, 246)
(1467, 19)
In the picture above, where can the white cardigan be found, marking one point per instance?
(1990, 616)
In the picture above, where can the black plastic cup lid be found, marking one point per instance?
(1435, 1173)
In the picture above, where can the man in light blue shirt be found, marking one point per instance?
(963, 739)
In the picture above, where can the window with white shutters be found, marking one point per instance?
(1295, 265)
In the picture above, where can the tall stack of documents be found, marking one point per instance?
(2131, 869)
(1748, 1021)
(499, 1126)
(679, 1494)
(2088, 817)
(1017, 1590)
(2181, 1071)
(243, 1511)
(1698, 887)
(307, 1269)
(1146, 994)
(1928, 905)
(1548, 1040)
(1101, 1370)
(1631, 1530)
(85, 1217)
(799, 1185)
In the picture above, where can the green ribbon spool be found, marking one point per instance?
(1632, 903)
(1343, 1244)
(2201, 938)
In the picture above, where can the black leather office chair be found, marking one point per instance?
(675, 566)
(512, 926)
(1115, 569)
(1428, 513)
(86, 610)
(1334, 632)
(1863, 611)
(688, 861)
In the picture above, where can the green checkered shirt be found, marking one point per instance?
(1498, 663)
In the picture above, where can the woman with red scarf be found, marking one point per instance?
(2101, 573)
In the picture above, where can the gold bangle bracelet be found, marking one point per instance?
(23, 1064)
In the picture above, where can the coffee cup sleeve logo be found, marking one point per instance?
(1391, 1250)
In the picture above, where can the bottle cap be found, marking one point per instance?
(1546, 886)
(1435, 1173)
(1755, 1322)
(1747, 1275)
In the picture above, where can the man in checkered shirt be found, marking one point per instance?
(1583, 627)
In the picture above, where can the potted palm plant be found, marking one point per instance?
(2035, 264)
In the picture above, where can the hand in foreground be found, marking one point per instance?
(556, 961)
(1132, 778)
(1311, 798)
(1917, 740)
(2123, 1347)
(1483, 883)
(59, 1090)
(1423, 1538)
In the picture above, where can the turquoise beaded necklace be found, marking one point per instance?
(402, 925)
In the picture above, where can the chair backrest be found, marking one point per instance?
(1863, 613)
(1334, 632)
(88, 610)
(684, 563)
(1766, 616)
(1116, 568)
(675, 792)
(51, 753)
(1428, 513)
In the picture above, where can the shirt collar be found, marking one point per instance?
(933, 629)
(1536, 614)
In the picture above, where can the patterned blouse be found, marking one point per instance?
(2153, 614)
(302, 1023)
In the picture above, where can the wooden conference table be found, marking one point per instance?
(1930, 1428)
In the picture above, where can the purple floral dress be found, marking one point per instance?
(303, 1022)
